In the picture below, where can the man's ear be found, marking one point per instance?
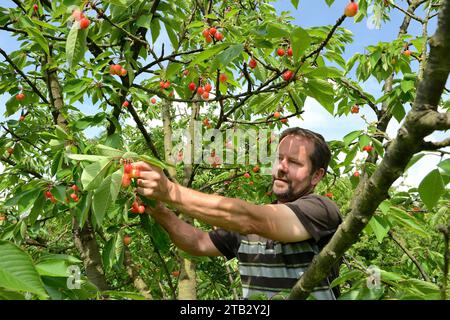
(317, 176)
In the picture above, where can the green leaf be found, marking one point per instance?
(364, 140)
(199, 58)
(106, 194)
(378, 146)
(277, 31)
(108, 151)
(93, 174)
(295, 3)
(351, 137)
(270, 103)
(57, 162)
(53, 268)
(300, 41)
(152, 161)
(380, 227)
(322, 91)
(445, 165)
(413, 160)
(398, 216)
(75, 45)
(431, 188)
(353, 274)
(12, 105)
(37, 209)
(17, 271)
(227, 56)
(407, 86)
(39, 39)
(86, 157)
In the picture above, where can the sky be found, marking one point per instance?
(312, 13)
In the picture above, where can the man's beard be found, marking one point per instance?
(286, 195)
(289, 194)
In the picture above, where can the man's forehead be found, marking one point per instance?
(294, 143)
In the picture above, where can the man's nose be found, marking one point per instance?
(282, 165)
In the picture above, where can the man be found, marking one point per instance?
(274, 243)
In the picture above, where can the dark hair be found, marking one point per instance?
(321, 155)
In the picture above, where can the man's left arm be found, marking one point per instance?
(276, 222)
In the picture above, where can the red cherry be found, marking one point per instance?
(175, 273)
(166, 84)
(355, 109)
(185, 72)
(153, 100)
(123, 72)
(205, 33)
(287, 75)
(35, 7)
(141, 209)
(329, 195)
(356, 174)
(84, 23)
(126, 180)
(21, 118)
(77, 14)
(135, 207)
(351, 9)
(252, 63)
(280, 52)
(126, 240)
(368, 148)
(212, 31)
(20, 96)
(75, 188)
(256, 169)
(218, 36)
(125, 104)
(205, 95)
(206, 122)
(200, 90)
(207, 87)
(117, 68)
(74, 197)
(162, 84)
(192, 86)
(247, 175)
(284, 120)
(128, 168)
(208, 39)
(276, 114)
(407, 52)
(48, 194)
(289, 52)
(223, 78)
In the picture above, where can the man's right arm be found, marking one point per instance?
(186, 237)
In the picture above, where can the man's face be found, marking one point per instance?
(291, 172)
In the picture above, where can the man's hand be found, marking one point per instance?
(152, 182)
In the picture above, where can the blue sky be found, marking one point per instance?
(316, 13)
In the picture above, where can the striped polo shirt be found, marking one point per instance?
(271, 267)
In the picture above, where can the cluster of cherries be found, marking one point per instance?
(117, 69)
(210, 33)
(130, 172)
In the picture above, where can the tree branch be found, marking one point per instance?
(24, 76)
(410, 256)
(408, 141)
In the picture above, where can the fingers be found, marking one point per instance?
(144, 166)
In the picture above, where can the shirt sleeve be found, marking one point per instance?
(319, 215)
(227, 242)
